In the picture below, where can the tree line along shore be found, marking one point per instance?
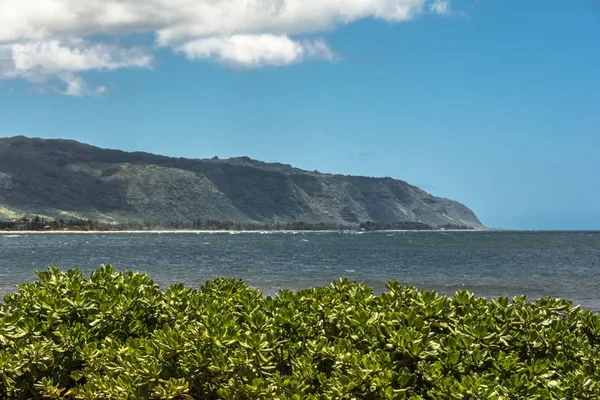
(37, 223)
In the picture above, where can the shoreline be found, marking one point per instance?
(234, 232)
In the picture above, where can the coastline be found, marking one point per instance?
(234, 232)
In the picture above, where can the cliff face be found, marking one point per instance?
(60, 178)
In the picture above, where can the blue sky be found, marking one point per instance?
(494, 103)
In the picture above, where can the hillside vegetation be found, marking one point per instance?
(67, 179)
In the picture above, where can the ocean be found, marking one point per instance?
(490, 264)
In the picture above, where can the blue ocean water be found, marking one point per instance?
(537, 264)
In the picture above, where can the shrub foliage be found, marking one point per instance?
(116, 335)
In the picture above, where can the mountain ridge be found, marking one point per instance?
(67, 178)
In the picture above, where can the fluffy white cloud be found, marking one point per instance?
(179, 20)
(37, 36)
(256, 50)
(44, 61)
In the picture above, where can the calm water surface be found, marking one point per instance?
(560, 264)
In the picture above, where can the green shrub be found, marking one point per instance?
(116, 335)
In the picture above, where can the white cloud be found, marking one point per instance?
(44, 61)
(39, 36)
(441, 7)
(256, 50)
(76, 86)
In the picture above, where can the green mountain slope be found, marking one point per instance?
(62, 178)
